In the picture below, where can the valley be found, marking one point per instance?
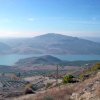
(34, 65)
(49, 49)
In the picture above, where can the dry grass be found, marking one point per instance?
(89, 88)
(56, 94)
(62, 93)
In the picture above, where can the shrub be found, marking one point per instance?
(28, 89)
(67, 78)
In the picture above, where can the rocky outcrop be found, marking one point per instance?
(88, 90)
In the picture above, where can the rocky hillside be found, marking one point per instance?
(88, 89)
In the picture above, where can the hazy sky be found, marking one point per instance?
(33, 17)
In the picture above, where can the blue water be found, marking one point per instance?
(12, 58)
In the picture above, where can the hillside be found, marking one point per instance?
(52, 60)
(52, 43)
(47, 59)
(4, 48)
(89, 89)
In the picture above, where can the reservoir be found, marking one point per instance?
(13, 58)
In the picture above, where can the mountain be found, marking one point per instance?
(47, 59)
(95, 39)
(52, 43)
(57, 44)
(4, 48)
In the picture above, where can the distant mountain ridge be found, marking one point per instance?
(52, 43)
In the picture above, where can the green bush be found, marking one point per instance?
(67, 78)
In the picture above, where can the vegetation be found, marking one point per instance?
(90, 71)
(96, 67)
(28, 89)
(67, 79)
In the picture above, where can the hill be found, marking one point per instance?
(47, 59)
(89, 89)
(57, 44)
(4, 48)
(47, 63)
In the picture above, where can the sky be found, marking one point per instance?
(26, 18)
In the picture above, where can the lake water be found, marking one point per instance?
(12, 58)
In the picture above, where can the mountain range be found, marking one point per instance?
(50, 43)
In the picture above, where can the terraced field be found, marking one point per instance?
(11, 87)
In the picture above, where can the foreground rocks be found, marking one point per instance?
(88, 90)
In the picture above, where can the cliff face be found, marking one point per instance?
(88, 90)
